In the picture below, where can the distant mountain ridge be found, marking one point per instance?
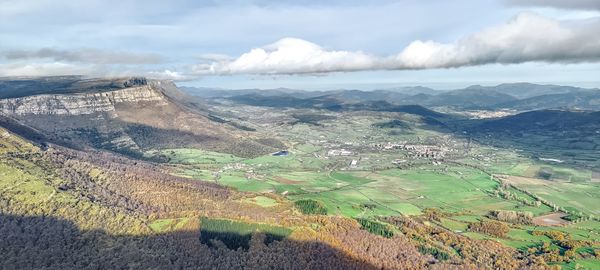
(332, 103)
(515, 96)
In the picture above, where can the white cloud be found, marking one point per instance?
(83, 55)
(167, 75)
(290, 56)
(526, 38)
(564, 4)
(34, 69)
(42, 69)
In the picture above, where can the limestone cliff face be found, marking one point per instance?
(81, 104)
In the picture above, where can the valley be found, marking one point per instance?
(300, 135)
(241, 179)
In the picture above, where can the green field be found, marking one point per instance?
(581, 198)
(195, 156)
(262, 201)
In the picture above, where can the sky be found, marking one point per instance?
(306, 44)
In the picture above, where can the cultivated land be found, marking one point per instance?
(358, 169)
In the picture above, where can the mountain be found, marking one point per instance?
(576, 99)
(515, 96)
(560, 121)
(208, 93)
(528, 90)
(414, 90)
(468, 98)
(333, 103)
(125, 115)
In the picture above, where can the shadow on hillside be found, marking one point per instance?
(39, 242)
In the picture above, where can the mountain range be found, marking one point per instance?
(514, 96)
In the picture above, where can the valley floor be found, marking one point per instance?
(359, 170)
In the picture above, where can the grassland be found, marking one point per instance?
(262, 201)
(358, 193)
(194, 156)
(170, 224)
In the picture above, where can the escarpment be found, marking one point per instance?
(129, 116)
(79, 104)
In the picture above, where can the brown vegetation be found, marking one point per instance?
(493, 228)
(513, 216)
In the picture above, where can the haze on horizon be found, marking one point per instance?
(307, 44)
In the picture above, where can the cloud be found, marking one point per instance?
(167, 75)
(36, 69)
(83, 55)
(290, 56)
(43, 69)
(526, 38)
(562, 4)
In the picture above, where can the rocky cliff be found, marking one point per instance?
(80, 104)
(129, 116)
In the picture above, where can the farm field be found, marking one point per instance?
(365, 182)
(575, 197)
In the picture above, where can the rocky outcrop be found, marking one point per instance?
(80, 104)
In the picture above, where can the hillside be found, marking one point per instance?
(580, 100)
(69, 209)
(470, 98)
(137, 116)
(568, 136)
(528, 90)
(545, 121)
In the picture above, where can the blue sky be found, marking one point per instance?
(306, 44)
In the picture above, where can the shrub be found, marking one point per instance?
(493, 228)
(433, 214)
(513, 216)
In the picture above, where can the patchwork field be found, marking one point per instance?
(576, 197)
(370, 182)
